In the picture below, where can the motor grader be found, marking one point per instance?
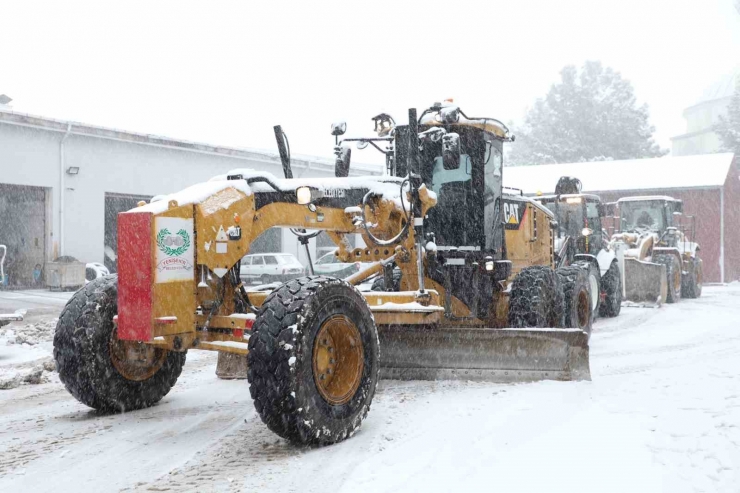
(477, 297)
(661, 263)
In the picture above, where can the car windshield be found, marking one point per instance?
(635, 216)
(286, 259)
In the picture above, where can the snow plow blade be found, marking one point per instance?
(492, 355)
(644, 282)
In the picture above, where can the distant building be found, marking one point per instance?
(701, 117)
(62, 185)
(709, 186)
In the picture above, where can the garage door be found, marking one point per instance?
(115, 203)
(22, 230)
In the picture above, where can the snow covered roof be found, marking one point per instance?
(703, 171)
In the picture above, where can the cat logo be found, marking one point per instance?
(513, 214)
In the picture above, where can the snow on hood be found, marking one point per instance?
(387, 186)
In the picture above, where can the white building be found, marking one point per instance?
(63, 183)
(700, 137)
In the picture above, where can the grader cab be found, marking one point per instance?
(467, 287)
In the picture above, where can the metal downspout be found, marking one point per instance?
(721, 234)
(61, 189)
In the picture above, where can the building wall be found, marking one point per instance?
(705, 206)
(31, 156)
(732, 222)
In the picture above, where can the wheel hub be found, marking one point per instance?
(135, 360)
(338, 360)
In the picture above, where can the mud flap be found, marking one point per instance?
(231, 366)
(482, 354)
(644, 282)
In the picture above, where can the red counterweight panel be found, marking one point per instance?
(135, 276)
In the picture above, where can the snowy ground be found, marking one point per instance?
(662, 414)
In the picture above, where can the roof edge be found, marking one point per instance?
(83, 129)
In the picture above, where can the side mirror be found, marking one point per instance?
(338, 128)
(341, 167)
(678, 208)
(451, 151)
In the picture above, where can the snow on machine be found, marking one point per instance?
(469, 288)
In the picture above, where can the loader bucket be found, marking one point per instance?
(493, 355)
(644, 282)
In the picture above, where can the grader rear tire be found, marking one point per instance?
(314, 360)
(536, 299)
(100, 370)
(576, 290)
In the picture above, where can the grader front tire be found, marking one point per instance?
(100, 370)
(313, 360)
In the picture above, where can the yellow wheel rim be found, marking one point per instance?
(135, 360)
(338, 360)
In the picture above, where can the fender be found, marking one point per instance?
(587, 257)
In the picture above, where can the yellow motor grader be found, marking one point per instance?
(661, 263)
(467, 289)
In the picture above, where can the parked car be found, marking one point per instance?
(270, 267)
(330, 265)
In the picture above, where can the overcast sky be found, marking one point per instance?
(226, 72)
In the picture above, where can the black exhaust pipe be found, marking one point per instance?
(283, 150)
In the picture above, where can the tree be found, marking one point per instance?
(588, 116)
(728, 127)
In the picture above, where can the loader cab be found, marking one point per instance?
(655, 214)
(578, 217)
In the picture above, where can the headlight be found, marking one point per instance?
(303, 195)
(587, 231)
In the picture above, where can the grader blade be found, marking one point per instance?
(493, 355)
(645, 283)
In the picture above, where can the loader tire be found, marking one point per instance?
(594, 286)
(314, 360)
(611, 286)
(577, 294)
(673, 276)
(692, 282)
(92, 362)
(536, 299)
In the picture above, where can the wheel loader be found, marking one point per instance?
(470, 291)
(582, 243)
(661, 263)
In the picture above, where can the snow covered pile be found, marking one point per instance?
(11, 378)
(31, 334)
